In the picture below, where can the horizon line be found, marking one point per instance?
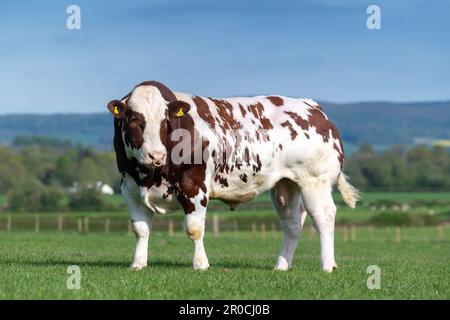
(322, 102)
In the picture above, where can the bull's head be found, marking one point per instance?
(146, 116)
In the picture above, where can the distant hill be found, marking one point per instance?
(94, 129)
(378, 123)
(385, 123)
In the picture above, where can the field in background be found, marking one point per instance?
(35, 266)
(376, 209)
(367, 198)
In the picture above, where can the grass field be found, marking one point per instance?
(34, 266)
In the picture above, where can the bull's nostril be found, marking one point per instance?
(158, 159)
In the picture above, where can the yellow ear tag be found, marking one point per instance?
(180, 113)
(116, 110)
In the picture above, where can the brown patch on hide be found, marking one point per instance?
(302, 123)
(278, 101)
(204, 112)
(288, 125)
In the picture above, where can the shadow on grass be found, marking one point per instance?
(214, 266)
(153, 264)
(65, 263)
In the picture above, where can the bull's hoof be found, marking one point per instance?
(330, 268)
(282, 264)
(201, 264)
(137, 266)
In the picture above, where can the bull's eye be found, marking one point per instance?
(137, 121)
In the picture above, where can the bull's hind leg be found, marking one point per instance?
(288, 205)
(320, 205)
(141, 218)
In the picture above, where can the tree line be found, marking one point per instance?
(400, 168)
(38, 174)
(46, 174)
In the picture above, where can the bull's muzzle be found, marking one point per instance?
(157, 158)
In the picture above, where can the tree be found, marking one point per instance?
(39, 162)
(87, 172)
(65, 169)
(12, 172)
(87, 198)
(33, 196)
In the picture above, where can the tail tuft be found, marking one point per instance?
(349, 193)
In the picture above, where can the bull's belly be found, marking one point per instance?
(236, 190)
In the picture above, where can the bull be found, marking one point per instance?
(177, 150)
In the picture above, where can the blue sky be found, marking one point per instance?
(318, 49)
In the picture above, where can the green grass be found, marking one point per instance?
(34, 266)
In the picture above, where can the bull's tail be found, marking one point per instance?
(349, 193)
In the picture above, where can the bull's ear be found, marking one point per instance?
(178, 108)
(117, 108)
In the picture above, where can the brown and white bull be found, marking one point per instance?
(177, 150)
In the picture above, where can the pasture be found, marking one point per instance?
(34, 266)
(414, 261)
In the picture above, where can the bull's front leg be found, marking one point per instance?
(142, 224)
(195, 229)
(141, 218)
(194, 226)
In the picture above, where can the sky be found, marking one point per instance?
(319, 49)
